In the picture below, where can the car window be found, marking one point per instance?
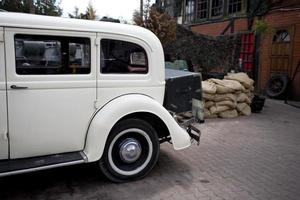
(121, 57)
(37, 54)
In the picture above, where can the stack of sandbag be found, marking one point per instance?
(229, 97)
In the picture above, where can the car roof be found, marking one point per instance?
(21, 20)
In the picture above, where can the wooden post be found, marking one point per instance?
(183, 13)
(31, 7)
(142, 9)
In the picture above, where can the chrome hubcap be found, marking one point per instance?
(130, 150)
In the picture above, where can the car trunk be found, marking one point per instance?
(183, 93)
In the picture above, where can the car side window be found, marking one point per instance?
(121, 57)
(46, 55)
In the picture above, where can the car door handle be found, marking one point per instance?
(15, 87)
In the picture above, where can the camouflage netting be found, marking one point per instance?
(206, 53)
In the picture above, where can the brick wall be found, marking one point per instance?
(277, 19)
(296, 57)
(289, 20)
(216, 28)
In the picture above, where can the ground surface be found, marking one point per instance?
(256, 157)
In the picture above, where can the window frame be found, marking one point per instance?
(278, 33)
(218, 16)
(235, 13)
(206, 10)
(210, 17)
(128, 76)
(193, 16)
(67, 40)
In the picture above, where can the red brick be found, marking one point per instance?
(276, 19)
(216, 28)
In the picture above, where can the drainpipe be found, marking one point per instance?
(256, 60)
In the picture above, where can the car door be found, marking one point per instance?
(3, 105)
(51, 81)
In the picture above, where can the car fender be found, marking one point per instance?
(107, 116)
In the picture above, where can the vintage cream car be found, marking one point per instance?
(77, 91)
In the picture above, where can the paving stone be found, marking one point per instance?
(254, 157)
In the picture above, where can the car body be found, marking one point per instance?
(68, 85)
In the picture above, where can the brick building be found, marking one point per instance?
(275, 52)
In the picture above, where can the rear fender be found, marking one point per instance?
(107, 116)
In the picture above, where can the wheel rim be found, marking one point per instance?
(130, 151)
(276, 86)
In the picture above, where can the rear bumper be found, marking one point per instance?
(194, 133)
(188, 122)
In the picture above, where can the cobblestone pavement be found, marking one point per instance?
(256, 157)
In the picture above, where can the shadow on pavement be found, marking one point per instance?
(86, 182)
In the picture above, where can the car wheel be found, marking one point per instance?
(277, 86)
(131, 151)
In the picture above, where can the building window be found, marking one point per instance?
(202, 9)
(282, 36)
(121, 57)
(189, 11)
(46, 55)
(234, 6)
(217, 8)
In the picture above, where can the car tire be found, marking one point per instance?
(131, 151)
(277, 86)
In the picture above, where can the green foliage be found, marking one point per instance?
(261, 27)
(89, 14)
(258, 7)
(41, 7)
(47, 7)
(160, 23)
(76, 14)
(177, 7)
(15, 5)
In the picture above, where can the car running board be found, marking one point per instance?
(24, 165)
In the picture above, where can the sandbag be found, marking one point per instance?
(243, 98)
(229, 114)
(250, 96)
(218, 109)
(208, 115)
(209, 104)
(231, 84)
(209, 87)
(241, 77)
(230, 104)
(243, 108)
(206, 112)
(224, 97)
(207, 96)
(223, 90)
(212, 116)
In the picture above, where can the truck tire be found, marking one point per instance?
(277, 86)
(131, 151)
